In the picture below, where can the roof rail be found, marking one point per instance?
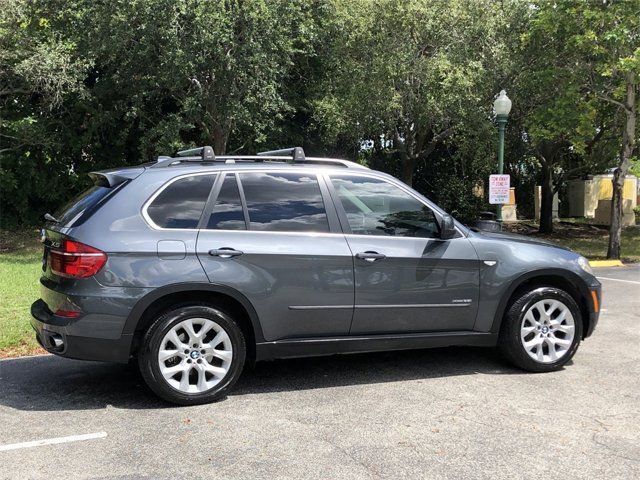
(291, 155)
(205, 153)
(296, 153)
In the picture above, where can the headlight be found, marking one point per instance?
(584, 264)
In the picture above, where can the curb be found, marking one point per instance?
(20, 357)
(606, 263)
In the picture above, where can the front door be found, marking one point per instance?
(408, 280)
(269, 236)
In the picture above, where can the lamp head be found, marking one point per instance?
(502, 104)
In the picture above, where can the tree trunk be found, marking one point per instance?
(408, 166)
(619, 174)
(546, 200)
(615, 227)
(407, 161)
(220, 137)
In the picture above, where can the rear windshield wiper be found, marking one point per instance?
(51, 218)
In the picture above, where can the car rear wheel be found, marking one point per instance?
(192, 354)
(541, 330)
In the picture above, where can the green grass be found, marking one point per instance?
(586, 239)
(20, 268)
(595, 247)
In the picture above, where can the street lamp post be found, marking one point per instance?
(501, 107)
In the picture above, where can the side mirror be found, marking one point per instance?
(447, 228)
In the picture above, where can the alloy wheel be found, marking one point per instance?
(195, 355)
(547, 331)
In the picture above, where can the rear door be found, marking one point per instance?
(407, 278)
(274, 236)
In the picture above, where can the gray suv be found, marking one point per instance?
(197, 264)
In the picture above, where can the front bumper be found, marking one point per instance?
(594, 309)
(51, 332)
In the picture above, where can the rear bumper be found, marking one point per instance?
(51, 333)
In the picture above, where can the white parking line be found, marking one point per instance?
(52, 441)
(619, 280)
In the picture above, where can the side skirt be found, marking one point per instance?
(311, 347)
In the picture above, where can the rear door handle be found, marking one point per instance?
(370, 256)
(225, 252)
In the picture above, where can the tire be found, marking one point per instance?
(547, 349)
(210, 372)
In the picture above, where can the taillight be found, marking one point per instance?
(76, 260)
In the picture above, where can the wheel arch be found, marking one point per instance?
(558, 278)
(161, 299)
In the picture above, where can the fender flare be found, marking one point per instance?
(141, 306)
(581, 288)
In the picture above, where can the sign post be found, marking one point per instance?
(499, 186)
(501, 107)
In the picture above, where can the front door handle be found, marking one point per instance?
(369, 256)
(225, 252)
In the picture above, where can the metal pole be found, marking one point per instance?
(502, 122)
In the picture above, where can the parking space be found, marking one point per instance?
(443, 413)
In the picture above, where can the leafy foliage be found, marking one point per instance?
(406, 87)
(407, 75)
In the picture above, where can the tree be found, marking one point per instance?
(610, 38)
(560, 120)
(89, 85)
(40, 69)
(212, 68)
(407, 75)
(601, 47)
(629, 107)
(404, 86)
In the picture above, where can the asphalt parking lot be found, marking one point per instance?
(443, 413)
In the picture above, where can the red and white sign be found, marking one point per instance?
(499, 186)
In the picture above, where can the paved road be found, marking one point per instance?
(445, 413)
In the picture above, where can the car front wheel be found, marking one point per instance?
(541, 330)
(192, 355)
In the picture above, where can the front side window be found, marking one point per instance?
(377, 207)
(284, 202)
(180, 205)
(227, 212)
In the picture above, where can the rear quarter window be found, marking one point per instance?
(180, 204)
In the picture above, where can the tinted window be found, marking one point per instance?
(376, 207)
(227, 212)
(284, 202)
(82, 206)
(181, 203)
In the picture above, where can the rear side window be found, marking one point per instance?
(181, 203)
(284, 202)
(227, 212)
(79, 209)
